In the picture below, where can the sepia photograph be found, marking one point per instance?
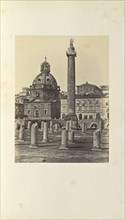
(62, 99)
(62, 113)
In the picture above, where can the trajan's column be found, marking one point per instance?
(71, 54)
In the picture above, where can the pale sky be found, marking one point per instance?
(92, 61)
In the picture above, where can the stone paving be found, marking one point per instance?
(53, 154)
(49, 152)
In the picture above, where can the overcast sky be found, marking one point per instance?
(91, 61)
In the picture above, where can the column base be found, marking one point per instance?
(96, 149)
(20, 141)
(63, 147)
(33, 146)
(72, 143)
(45, 141)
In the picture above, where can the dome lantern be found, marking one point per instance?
(45, 67)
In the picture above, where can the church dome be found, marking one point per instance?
(44, 86)
(89, 90)
(45, 77)
(48, 79)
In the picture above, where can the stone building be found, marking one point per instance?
(90, 102)
(19, 102)
(42, 101)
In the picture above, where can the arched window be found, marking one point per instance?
(98, 116)
(94, 125)
(80, 116)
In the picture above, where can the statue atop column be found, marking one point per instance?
(71, 42)
(71, 49)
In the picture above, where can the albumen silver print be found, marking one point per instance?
(62, 115)
(62, 121)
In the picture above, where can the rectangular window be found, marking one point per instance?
(77, 108)
(85, 116)
(83, 108)
(77, 102)
(90, 116)
(63, 108)
(37, 113)
(97, 108)
(80, 108)
(91, 107)
(86, 108)
(28, 111)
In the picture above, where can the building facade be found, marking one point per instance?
(90, 103)
(19, 102)
(42, 100)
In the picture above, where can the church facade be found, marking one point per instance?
(41, 101)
